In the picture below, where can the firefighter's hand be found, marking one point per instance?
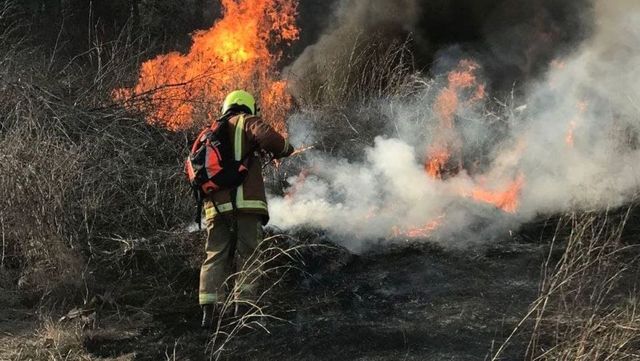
(266, 154)
(267, 158)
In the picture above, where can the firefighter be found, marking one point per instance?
(234, 219)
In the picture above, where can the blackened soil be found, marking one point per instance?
(411, 303)
(406, 302)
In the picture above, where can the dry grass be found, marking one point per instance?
(75, 168)
(368, 69)
(83, 183)
(267, 269)
(54, 340)
(587, 307)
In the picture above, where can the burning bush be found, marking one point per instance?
(441, 145)
(240, 51)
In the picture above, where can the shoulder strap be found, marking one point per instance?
(238, 141)
(238, 138)
(199, 140)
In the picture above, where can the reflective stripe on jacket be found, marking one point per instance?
(249, 134)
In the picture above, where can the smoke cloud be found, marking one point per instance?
(514, 39)
(569, 142)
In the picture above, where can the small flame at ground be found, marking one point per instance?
(436, 163)
(236, 53)
(573, 124)
(420, 232)
(507, 200)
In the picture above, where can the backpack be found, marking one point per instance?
(211, 166)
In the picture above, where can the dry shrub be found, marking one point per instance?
(54, 340)
(76, 168)
(369, 69)
(587, 310)
(346, 101)
(587, 307)
(61, 340)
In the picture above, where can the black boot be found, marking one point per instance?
(208, 313)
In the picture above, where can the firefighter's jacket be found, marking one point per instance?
(249, 134)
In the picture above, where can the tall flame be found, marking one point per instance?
(240, 51)
(447, 141)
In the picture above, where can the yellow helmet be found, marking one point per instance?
(239, 98)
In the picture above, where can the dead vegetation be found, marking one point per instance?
(369, 68)
(587, 307)
(267, 269)
(76, 169)
(89, 195)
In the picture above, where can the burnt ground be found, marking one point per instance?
(406, 302)
(414, 302)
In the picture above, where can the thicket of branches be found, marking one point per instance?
(73, 26)
(75, 168)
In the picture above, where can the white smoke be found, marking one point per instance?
(604, 75)
(590, 97)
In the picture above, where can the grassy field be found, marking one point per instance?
(96, 262)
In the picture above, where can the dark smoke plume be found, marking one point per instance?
(513, 39)
(568, 141)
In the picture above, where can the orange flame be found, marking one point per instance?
(463, 77)
(573, 124)
(507, 200)
(447, 141)
(420, 232)
(570, 138)
(236, 53)
(436, 162)
(463, 89)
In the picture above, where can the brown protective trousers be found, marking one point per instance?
(227, 255)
